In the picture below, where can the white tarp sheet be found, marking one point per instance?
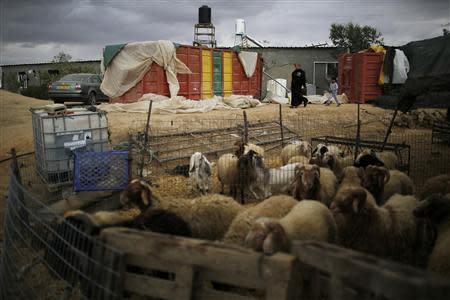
(401, 67)
(130, 65)
(318, 99)
(181, 105)
(248, 61)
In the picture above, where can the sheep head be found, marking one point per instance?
(268, 236)
(352, 172)
(306, 181)
(375, 178)
(239, 148)
(138, 192)
(436, 207)
(349, 201)
(304, 148)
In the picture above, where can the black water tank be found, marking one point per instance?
(204, 14)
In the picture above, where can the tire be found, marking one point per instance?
(92, 99)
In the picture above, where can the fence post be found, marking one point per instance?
(389, 131)
(16, 171)
(245, 128)
(147, 125)
(281, 125)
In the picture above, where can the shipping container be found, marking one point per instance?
(214, 72)
(358, 76)
(56, 137)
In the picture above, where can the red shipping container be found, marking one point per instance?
(155, 81)
(358, 76)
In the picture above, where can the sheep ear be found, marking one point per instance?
(358, 200)
(269, 244)
(145, 197)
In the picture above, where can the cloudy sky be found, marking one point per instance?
(36, 30)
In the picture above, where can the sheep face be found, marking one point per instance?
(239, 148)
(137, 192)
(435, 207)
(374, 179)
(349, 202)
(268, 236)
(309, 176)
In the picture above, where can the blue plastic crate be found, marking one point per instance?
(100, 171)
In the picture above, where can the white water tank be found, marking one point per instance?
(240, 27)
(277, 89)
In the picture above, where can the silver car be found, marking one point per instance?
(81, 87)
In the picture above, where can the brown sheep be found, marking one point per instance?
(439, 184)
(384, 183)
(315, 183)
(389, 231)
(436, 209)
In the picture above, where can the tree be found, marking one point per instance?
(445, 31)
(353, 36)
(62, 57)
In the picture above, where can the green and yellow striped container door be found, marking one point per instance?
(207, 74)
(227, 73)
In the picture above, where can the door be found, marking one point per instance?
(218, 89)
(207, 74)
(227, 73)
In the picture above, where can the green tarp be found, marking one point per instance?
(110, 52)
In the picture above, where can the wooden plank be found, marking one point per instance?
(392, 280)
(224, 277)
(184, 282)
(149, 286)
(209, 294)
(149, 262)
(238, 261)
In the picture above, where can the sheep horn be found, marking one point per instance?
(387, 175)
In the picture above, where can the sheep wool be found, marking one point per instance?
(298, 159)
(436, 185)
(273, 207)
(289, 151)
(399, 183)
(307, 220)
(209, 216)
(227, 170)
(389, 231)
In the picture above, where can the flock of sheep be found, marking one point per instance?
(318, 194)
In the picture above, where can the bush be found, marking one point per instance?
(39, 92)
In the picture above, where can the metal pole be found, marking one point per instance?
(281, 125)
(389, 131)
(141, 169)
(245, 128)
(358, 134)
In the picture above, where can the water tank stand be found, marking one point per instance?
(205, 35)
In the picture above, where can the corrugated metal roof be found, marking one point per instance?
(49, 62)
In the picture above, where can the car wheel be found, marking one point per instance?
(92, 99)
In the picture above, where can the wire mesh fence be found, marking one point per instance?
(172, 143)
(47, 257)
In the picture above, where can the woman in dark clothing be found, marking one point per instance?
(298, 86)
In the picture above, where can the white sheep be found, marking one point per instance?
(369, 157)
(436, 208)
(257, 149)
(302, 148)
(307, 220)
(199, 172)
(321, 149)
(281, 179)
(384, 183)
(227, 171)
(273, 207)
(315, 183)
(388, 231)
(298, 159)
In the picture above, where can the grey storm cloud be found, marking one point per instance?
(36, 30)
